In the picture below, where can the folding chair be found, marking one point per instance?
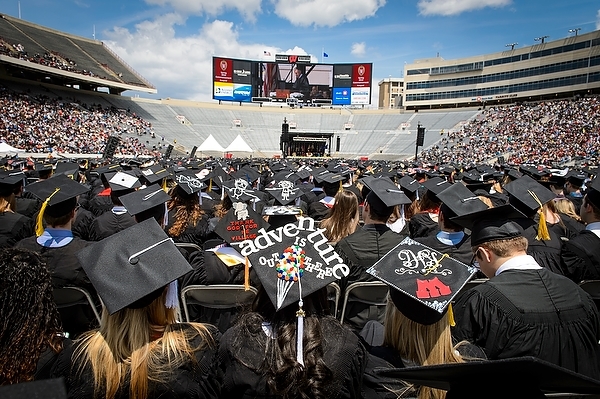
(70, 296)
(188, 246)
(217, 296)
(372, 294)
(73, 304)
(334, 293)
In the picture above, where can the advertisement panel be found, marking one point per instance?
(360, 95)
(341, 96)
(223, 91)
(223, 70)
(361, 75)
(342, 75)
(242, 72)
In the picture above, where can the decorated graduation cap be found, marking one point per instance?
(422, 281)
(144, 199)
(189, 182)
(8, 181)
(460, 201)
(122, 182)
(521, 377)
(292, 262)
(58, 195)
(492, 224)
(284, 191)
(281, 210)
(128, 269)
(240, 223)
(239, 190)
(154, 174)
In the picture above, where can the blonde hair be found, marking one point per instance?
(122, 347)
(343, 217)
(566, 206)
(421, 344)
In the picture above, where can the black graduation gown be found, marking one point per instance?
(545, 253)
(55, 365)
(192, 234)
(359, 251)
(581, 257)
(82, 224)
(110, 223)
(200, 378)
(242, 353)
(318, 211)
(461, 251)
(99, 204)
(13, 228)
(532, 313)
(422, 225)
(27, 206)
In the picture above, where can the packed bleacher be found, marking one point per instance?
(545, 133)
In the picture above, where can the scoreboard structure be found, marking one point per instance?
(242, 80)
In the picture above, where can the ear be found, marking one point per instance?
(487, 254)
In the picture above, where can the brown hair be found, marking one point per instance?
(187, 211)
(343, 217)
(504, 248)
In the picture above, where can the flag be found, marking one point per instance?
(325, 55)
(267, 53)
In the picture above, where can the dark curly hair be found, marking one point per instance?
(286, 378)
(28, 315)
(187, 211)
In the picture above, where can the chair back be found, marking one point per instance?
(373, 293)
(217, 296)
(65, 297)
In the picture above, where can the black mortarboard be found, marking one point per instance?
(409, 184)
(67, 168)
(51, 388)
(423, 281)
(111, 168)
(155, 173)
(528, 192)
(319, 175)
(241, 222)
(128, 268)
(8, 182)
(247, 173)
(303, 174)
(491, 224)
(295, 258)
(593, 192)
(386, 191)
(461, 200)
(58, 195)
(144, 199)
(436, 185)
(284, 192)
(281, 210)
(576, 178)
(189, 182)
(520, 377)
(44, 166)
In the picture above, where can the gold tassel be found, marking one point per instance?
(542, 230)
(209, 185)
(451, 316)
(341, 186)
(246, 275)
(39, 223)
(164, 185)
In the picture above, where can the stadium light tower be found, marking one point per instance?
(511, 45)
(576, 31)
(541, 39)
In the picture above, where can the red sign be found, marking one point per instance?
(223, 70)
(361, 75)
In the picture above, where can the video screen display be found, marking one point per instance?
(291, 77)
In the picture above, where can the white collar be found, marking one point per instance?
(521, 262)
(594, 227)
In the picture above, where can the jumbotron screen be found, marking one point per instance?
(291, 76)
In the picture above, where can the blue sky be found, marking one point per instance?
(171, 42)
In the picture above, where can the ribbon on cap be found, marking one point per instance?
(39, 223)
(542, 232)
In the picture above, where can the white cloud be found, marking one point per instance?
(598, 20)
(325, 12)
(248, 8)
(181, 67)
(358, 49)
(455, 7)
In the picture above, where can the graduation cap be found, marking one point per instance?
(239, 190)
(527, 195)
(409, 184)
(189, 182)
(155, 173)
(284, 192)
(436, 185)
(384, 194)
(8, 181)
(423, 281)
(58, 195)
(144, 199)
(240, 223)
(69, 169)
(518, 377)
(593, 192)
(576, 178)
(247, 173)
(128, 268)
(122, 181)
(280, 210)
(491, 224)
(460, 201)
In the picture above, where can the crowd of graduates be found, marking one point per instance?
(134, 234)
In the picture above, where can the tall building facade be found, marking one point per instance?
(391, 91)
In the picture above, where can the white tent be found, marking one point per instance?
(210, 145)
(238, 145)
(8, 149)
